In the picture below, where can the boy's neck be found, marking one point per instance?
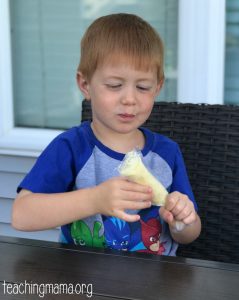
(121, 143)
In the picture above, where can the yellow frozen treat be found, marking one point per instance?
(133, 168)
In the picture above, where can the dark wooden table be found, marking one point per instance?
(111, 274)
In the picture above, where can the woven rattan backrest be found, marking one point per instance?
(208, 136)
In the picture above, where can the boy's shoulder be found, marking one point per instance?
(158, 139)
(74, 132)
(74, 137)
(164, 139)
(73, 141)
(162, 146)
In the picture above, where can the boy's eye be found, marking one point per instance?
(143, 88)
(113, 86)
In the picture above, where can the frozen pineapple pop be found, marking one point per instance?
(133, 168)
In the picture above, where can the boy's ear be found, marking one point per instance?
(159, 87)
(83, 85)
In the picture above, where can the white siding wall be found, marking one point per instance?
(12, 170)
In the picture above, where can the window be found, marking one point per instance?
(45, 38)
(194, 36)
(231, 91)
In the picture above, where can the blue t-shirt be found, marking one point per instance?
(76, 159)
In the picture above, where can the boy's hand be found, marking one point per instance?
(178, 207)
(116, 195)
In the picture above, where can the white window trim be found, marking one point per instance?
(200, 70)
(201, 59)
(15, 140)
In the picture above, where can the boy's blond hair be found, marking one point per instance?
(112, 37)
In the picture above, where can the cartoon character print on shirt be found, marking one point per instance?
(117, 233)
(148, 234)
(151, 231)
(83, 236)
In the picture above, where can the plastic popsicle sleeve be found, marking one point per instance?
(134, 169)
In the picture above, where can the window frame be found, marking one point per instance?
(201, 60)
(193, 84)
(15, 140)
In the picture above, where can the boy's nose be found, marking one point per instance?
(129, 97)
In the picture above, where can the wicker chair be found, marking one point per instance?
(209, 139)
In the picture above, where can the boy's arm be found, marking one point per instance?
(37, 211)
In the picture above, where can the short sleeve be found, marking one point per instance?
(180, 178)
(53, 171)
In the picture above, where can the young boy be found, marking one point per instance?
(75, 183)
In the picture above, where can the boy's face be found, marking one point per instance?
(121, 96)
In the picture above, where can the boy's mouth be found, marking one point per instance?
(126, 116)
